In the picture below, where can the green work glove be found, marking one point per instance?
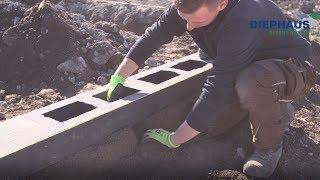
(161, 136)
(115, 87)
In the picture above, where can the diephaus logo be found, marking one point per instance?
(283, 24)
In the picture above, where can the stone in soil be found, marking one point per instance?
(2, 93)
(12, 98)
(2, 117)
(102, 80)
(77, 66)
(151, 62)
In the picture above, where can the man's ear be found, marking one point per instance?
(222, 4)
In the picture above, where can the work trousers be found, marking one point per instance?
(265, 90)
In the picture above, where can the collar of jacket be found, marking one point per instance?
(221, 15)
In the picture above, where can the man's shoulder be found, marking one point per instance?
(255, 9)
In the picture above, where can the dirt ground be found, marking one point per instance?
(92, 39)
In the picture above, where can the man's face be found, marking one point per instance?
(204, 15)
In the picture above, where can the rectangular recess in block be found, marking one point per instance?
(69, 111)
(189, 65)
(125, 91)
(159, 77)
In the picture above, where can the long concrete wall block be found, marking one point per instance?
(80, 122)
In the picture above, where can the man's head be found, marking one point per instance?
(199, 13)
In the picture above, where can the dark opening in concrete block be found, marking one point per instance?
(69, 111)
(189, 65)
(121, 93)
(159, 77)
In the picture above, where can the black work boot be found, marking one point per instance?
(262, 163)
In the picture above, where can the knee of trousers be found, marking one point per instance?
(258, 81)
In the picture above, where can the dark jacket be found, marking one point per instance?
(228, 40)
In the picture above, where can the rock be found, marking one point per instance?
(72, 79)
(110, 71)
(151, 62)
(77, 66)
(102, 80)
(115, 60)
(16, 20)
(3, 104)
(35, 89)
(2, 93)
(107, 27)
(84, 50)
(46, 92)
(129, 17)
(13, 6)
(78, 17)
(2, 117)
(12, 98)
(81, 83)
(129, 38)
(82, 61)
(100, 52)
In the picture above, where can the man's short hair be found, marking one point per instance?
(190, 6)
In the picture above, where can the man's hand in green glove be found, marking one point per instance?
(115, 87)
(161, 136)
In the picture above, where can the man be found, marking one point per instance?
(252, 73)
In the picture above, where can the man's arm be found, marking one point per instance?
(126, 68)
(168, 25)
(237, 48)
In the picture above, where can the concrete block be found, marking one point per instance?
(71, 125)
